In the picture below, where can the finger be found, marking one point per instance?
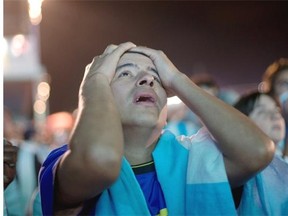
(146, 51)
(91, 65)
(109, 49)
(122, 48)
(112, 51)
(142, 49)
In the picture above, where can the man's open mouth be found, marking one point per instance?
(145, 98)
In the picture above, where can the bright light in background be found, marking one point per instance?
(173, 100)
(35, 11)
(43, 90)
(42, 96)
(4, 48)
(39, 106)
(18, 45)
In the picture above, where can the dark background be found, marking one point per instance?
(233, 41)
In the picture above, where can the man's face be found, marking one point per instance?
(139, 94)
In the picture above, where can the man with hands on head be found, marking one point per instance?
(119, 161)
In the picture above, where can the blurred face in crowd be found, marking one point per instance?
(10, 159)
(139, 94)
(281, 91)
(281, 83)
(12, 131)
(266, 114)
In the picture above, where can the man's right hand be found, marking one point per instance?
(104, 64)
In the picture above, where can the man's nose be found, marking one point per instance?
(146, 79)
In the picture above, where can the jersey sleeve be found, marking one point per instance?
(46, 179)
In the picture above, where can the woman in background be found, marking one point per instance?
(275, 83)
(267, 192)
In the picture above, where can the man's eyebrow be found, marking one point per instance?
(126, 65)
(153, 70)
(136, 66)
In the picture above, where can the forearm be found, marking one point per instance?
(96, 148)
(98, 128)
(96, 144)
(237, 136)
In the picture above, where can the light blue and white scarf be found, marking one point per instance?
(191, 173)
(267, 192)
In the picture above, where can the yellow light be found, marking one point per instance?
(18, 45)
(4, 46)
(43, 88)
(35, 12)
(39, 106)
(36, 20)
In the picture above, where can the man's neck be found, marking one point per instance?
(139, 144)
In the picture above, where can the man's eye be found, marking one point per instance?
(124, 73)
(157, 79)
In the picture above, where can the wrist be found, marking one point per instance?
(178, 80)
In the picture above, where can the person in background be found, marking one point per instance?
(275, 83)
(12, 131)
(57, 128)
(207, 82)
(53, 134)
(9, 162)
(9, 165)
(119, 161)
(267, 192)
(14, 195)
(34, 147)
(181, 120)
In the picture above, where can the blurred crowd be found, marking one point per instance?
(28, 148)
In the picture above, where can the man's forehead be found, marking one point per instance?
(135, 57)
(136, 52)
